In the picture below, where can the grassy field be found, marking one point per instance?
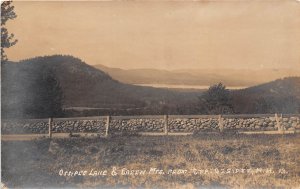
(198, 161)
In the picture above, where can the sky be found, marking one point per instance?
(161, 34)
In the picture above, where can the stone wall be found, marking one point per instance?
(245, 124)
(137, 125)
(263, 124)
(77, 126)
(24, 126)
(190, 125)
(148, 124)
(59, 126)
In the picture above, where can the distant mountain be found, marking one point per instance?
(289, 86)
(279, 96)
(206, 77)
(83, 85)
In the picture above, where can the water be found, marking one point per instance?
(176, 86)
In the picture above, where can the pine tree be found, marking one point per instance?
(7, 39)
(46, 97)
(216, 100)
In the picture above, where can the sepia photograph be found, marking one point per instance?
(142, 94)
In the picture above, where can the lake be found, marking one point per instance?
(176, 86)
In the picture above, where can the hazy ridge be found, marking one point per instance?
(207, 77)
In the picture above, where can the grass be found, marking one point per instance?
(37, 163)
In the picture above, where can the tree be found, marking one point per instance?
(46, 97)
(30, 91)
(216, 100)
(7, 40)
(54, 96)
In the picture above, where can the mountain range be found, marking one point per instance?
(85, 87)
(203, 77)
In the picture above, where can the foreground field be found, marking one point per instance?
(204, 160)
